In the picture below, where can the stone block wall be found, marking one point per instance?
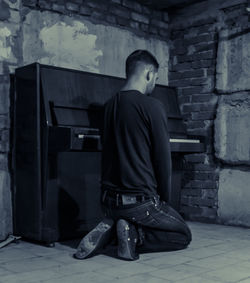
(89, 35)
(208, 59)
(232, 123)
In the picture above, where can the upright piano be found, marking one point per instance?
(58, 116)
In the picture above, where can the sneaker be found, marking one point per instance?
(127, 240)
(95, 240)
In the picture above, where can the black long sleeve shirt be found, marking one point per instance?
(136, 152)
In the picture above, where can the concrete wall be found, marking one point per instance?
(63, 41)
(86, 35)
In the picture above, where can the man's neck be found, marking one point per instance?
(134, 85)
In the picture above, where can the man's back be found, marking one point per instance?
(135, 131)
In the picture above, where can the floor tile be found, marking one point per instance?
(28, 276)
(145, 278)
(167, 260)
(35, 263)
(171, 274)
(214, 262)
(9, 254)
(228, 274)
(83, 277)
(203, 252)
(198, 279)
(131, 268)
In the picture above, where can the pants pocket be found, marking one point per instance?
(145, 217)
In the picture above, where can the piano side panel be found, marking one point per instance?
(27, 187)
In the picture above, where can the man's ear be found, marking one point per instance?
(149, 75)
(150, 72)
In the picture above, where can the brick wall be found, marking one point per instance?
(193, 59)
(126, 14)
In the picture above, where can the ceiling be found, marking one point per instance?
(168, 4)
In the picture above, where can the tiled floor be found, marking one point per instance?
(216, 254)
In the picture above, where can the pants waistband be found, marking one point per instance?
(124, 199)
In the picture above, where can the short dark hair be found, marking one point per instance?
(139, 56)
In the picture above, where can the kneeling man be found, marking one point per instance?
(136, 170)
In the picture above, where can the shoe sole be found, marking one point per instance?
(126, 233)
(94, 240)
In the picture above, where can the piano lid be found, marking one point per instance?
(75, 90)
(82, 90)
(168, 96)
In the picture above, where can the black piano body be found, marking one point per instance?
(57, 149)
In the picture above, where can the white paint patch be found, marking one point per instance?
(70, 46)
(13, 4)
(5, 50)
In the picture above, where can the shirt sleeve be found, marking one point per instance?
(161, 154)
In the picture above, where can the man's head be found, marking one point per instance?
(142, 66)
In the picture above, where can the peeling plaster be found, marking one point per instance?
(9, 35)
(5, 50)
(14, 4)
(60, 41)
(5, 205)
(70, 44)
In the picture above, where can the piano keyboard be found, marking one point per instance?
(82, 136)
(184, 141)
